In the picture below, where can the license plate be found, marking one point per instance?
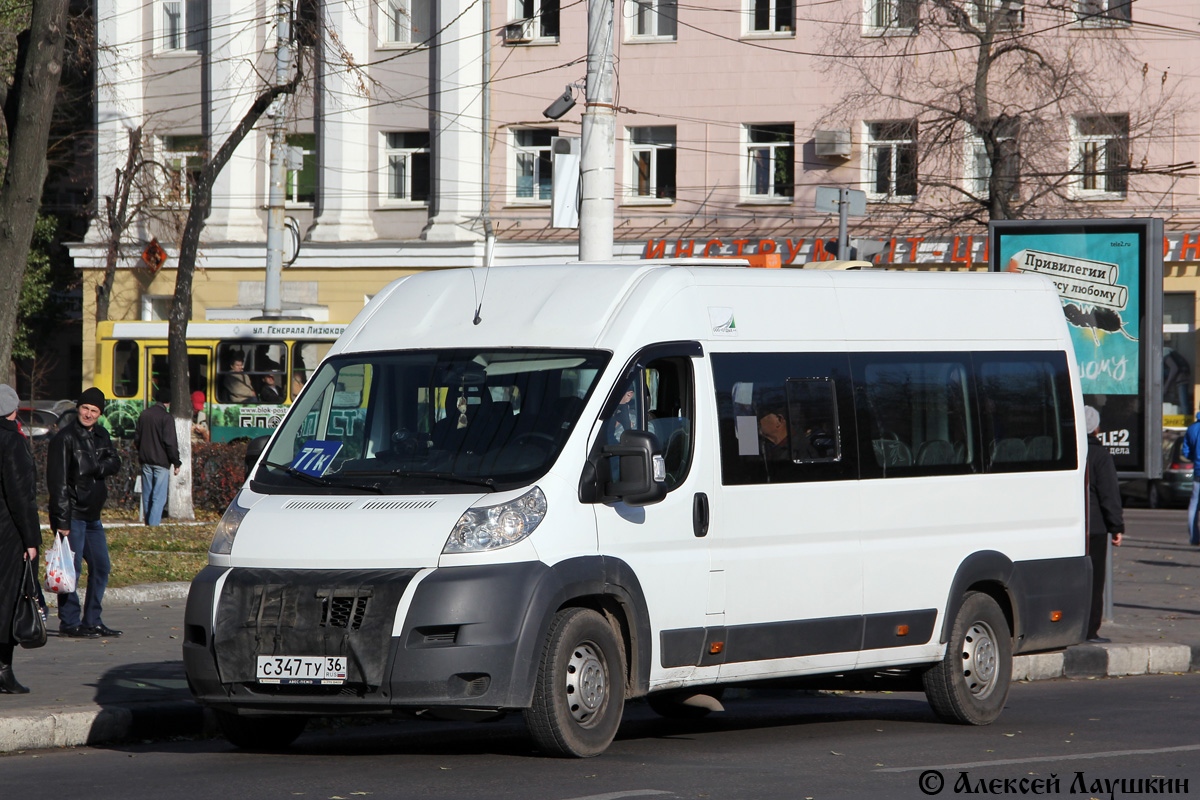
(315, 670)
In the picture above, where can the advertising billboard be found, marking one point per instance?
(1108, 274)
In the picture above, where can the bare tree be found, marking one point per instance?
(181, 305)
(991, 91)
(27, 98)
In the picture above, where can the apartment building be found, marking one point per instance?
(419, 129)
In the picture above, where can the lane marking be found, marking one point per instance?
(1042, 759)
(619, 795)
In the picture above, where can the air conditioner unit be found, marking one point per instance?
(833, 144)
(518, 31)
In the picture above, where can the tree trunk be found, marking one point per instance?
(179, 492)
(189, 246)
(31, 101)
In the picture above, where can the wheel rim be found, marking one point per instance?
(980, 659)
(587, 683)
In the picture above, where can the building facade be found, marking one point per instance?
(417, 139)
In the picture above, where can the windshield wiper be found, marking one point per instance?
(320, 481)
(487, 483)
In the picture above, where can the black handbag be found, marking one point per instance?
(28, 625)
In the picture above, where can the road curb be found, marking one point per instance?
(133, 595)
(1106, 661)
(96, 725)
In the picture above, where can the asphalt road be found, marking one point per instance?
(765, 745)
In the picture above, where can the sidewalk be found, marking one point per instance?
(93, 691)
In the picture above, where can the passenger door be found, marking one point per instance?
(666, 543)
(789, 513)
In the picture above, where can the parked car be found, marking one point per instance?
(1174, 488)
(38, 423)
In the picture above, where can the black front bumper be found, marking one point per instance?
(459, 646)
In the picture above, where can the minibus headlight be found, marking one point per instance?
(227, 528)
(492, 527)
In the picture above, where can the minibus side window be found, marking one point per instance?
(658, 397)
(914, 414)
(125, 368)
(1026, 412)
(781, 417)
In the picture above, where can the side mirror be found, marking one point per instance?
(641, 467)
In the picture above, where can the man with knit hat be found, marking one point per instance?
(80, 457)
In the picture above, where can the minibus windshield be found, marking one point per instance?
(425, 421)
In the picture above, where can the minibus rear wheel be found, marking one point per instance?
(970, 684)
(580, 691)
(260, 733)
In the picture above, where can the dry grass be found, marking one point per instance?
(140, 554)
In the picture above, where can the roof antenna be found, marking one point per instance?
(489, 246)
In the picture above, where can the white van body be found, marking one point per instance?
(928, 489)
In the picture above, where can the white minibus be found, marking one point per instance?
(551, 489)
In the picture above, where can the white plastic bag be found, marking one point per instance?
(60, 567)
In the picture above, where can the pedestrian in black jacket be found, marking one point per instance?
(158, 450)
(80, 457)
(19, 530)
(1105, 516)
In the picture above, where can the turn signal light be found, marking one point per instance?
(902, 630)
(716, 648)
(1056, 616)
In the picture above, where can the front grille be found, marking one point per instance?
(344, 608)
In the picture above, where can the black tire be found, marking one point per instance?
(670, 704)
(579, 695)
(260, 733)
(970, 684)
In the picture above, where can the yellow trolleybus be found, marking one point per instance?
(248, 370)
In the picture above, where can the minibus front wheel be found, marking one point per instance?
(579, 695)
(970, 684)
(260, 733)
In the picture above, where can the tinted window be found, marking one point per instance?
(781, 417)
(1026, 413)
(657, 396)
(913, 414)
(125, 369)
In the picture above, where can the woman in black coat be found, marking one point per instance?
(19, 530)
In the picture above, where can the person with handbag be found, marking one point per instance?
(79, 458)
(20, 532)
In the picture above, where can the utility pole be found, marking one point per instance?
(272, 294)
(599, 138)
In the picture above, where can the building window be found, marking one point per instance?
(541, 17)
(892, 159)
(652, 162)
(534, 164)
(408, 175)
(302, 182)
(1105, 12)
(884, 16)
(771, 16)
(1102, 154)
(182, 25)
(182, 157)
(771, 161)
(406, 21)
(1007, 161)
(1004, 15)
(651, 19)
